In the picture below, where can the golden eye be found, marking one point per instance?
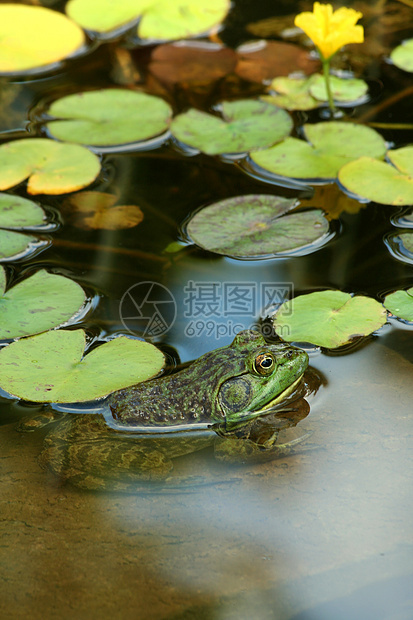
(264, 364)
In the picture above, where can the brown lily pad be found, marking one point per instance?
(191, 62)
(264, 60)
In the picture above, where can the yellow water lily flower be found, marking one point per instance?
(330, 30)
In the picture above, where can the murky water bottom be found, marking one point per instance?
(326, 532)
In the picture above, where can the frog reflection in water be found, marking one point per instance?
(228, 389)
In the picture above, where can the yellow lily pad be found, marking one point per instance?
(51, 167)
(33, 36)
(159, 19)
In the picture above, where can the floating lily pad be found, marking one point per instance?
(51, 367)
(328, 318)
(159, 19)
(343, 90)
(256, 226)
(108, 117)
(96, 210)
(41, 302)
(381, 182)
(402, 55)
(52, 168)
(309, 93)
(400, 303)
(331, 145)
(292, 94)
(17, 213)
(32, 36)
(246, 125)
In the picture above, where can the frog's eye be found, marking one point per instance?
(264, 364)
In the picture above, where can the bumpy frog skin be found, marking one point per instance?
(231, 384)
(228, 388)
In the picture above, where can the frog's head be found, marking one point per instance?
(269, 373)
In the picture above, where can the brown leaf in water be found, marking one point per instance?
(185, 62)
(96, 210)
(265, 60)
(332, 201)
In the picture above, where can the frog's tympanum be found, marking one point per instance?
(229, 391)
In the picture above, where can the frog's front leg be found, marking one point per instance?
(105, 467)
(236, 450)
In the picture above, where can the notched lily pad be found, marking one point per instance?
(328, 319)
(381, 182)
(107, 117)
(402, 55)
(18, 213)
(51, 167)
(400, 303)
(246, 125)
(38, 303)
(255, 226)
(52, 367)
(33, 36)
(159, 19)
(330, 146)
(97, 210)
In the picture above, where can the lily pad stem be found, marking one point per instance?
(326, 71)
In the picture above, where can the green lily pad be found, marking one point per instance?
(407, 242)
(328, 318)
(331, 145)
(246, 125)
(402, 55)
(343, 90)
(381, 182)
(292, 94)
(308, 93)
(400, 303)
(51, 367)
(159, 19)
(17, 213)
(52, 168)
(41, 302)
(33, 36)
(256, 226)
(108, 117)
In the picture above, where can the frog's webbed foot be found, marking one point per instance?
(33, 423)
(234, 450)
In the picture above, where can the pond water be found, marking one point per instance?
(323, 532)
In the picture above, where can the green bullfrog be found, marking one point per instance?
(226, 395)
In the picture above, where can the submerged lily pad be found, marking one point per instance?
(108, 117)
(255, 226)
(328, 318)
(381, 182)
(246, 125)
(400, 303)
(331, 145)
(17, 213)
(51, 367)
(96, 210)
(38, 303)
(159, 19)
(52, 168)
(33, 36)
(402, 55)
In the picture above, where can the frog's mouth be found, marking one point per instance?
(282, 396)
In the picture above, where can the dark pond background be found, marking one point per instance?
(326, 532)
